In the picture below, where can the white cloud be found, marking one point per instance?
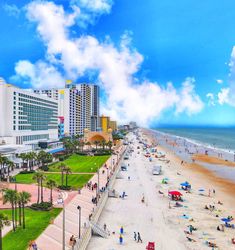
(98, 6)
(219, 81)
(126, 97)
(39, 75)
(227, 95)
(211, 99)
(223, 96)
(12, 10)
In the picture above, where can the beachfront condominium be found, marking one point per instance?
(78, 107)
(26, 117)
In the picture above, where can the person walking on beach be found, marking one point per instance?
(139, 238)
(135, 236)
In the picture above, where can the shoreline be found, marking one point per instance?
(225, 188)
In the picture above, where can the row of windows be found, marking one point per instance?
(35, 98)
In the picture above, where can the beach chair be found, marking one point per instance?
(150, 246)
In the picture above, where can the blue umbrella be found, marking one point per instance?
(226, 220)
(185, 184)
(201, 190)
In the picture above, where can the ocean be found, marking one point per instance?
(220, 138)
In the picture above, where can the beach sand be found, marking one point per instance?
(212, 160)
(154, 219)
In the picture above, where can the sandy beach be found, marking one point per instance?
(158, 219)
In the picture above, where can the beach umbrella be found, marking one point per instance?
(177, 193)
(201, 190)
(185, 184)
(226, 220)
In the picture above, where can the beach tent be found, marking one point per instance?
(175, 193)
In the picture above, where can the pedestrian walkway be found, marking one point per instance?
(52, 237)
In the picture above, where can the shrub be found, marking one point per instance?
(44, 168)
(64, 187)
(27, 171)
(43, 206)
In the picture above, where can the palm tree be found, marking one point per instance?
(39, 177)
(51, 184)
(25, 197)
(10, 165)
(67, 172)
(20, 209)
(4, 221)
(10, 196)
(103, 144)
(3, 162)
(96, 144)
(32, 156)
(43, 178)
(62, 168)
(23, 156)
(109, 144)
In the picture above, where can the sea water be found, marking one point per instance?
(221, 138)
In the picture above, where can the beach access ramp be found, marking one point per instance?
(98, 230)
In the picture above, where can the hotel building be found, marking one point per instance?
(26, 117)
(78, 107)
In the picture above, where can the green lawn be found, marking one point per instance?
(74, 180)
(81, 163)
(36, 222)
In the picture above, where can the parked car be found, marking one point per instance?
(126, 157)
(157, 170)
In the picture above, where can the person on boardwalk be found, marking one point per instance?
(135, 236)
(139, 238)
(121, 239)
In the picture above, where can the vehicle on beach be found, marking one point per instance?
(123, 167)
(157, 170)
(126, 157)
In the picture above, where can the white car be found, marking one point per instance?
(157, 170)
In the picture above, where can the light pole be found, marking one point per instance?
(61, 201)
(79, 222)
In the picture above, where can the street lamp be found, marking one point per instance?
(79, 222)
(61, 201)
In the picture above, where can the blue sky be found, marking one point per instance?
(177, 40)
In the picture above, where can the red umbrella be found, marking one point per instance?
(176, 193)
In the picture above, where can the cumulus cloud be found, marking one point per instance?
(98, 6)
(39, 75)
(127, 98)
(227, 95)
(12, 10)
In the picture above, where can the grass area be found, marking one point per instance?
(36, 222)
(74, 180)
(81, 163)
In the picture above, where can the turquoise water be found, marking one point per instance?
(222, 138)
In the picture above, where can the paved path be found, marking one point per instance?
(51, 238)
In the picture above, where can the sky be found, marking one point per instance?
(158, 62)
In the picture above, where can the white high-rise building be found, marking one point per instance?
(26, 117)
(78, 107)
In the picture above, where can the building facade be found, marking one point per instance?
(113, 125)
(26, 117)
(78, 107)
(104, 123)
